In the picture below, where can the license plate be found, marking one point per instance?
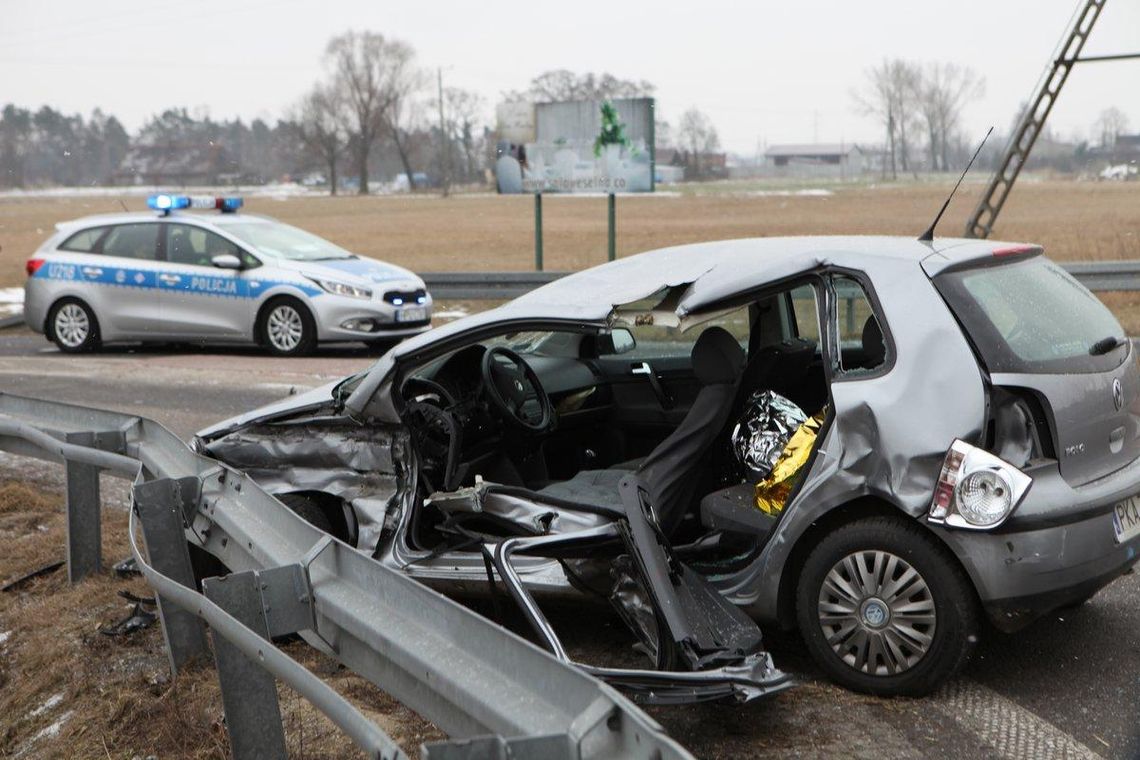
(412, 314)
(1126, 519)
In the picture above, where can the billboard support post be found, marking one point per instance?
(538, 232)
(612, 238)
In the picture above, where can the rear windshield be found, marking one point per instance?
(1032, 316)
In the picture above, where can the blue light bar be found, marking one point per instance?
(167, 203)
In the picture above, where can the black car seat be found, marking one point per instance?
(671, 472)
(874, 348)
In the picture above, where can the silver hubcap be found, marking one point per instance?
(877, 613)
(71, 325)
(284, 328)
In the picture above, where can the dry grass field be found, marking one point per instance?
(63, 684)
(1074, 220)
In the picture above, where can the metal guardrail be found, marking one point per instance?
(485, 286)
(477, 286)
(497, 694)
(1100, 276)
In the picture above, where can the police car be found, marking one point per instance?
(223, 277)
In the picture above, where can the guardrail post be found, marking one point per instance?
(611, 208)
(160, 504)
(538, 232)
(249, 693)
(84, 523)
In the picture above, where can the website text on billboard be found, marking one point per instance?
(576, 147)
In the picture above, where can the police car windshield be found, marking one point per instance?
(285, 242)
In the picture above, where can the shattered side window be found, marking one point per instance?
(861, 345)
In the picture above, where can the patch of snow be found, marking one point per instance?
(51, 731)
(51, 702)
(450, 314)
(4, 636)
(11, 295)
(276, 190)
(811, 192)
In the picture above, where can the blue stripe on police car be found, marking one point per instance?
(222, 287)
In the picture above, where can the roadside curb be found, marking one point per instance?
(12, 321)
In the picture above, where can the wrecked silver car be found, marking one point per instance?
(878, 440)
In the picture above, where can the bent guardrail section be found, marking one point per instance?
(495, 693)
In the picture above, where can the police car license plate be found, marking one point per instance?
(1126, 519)
(411, 314)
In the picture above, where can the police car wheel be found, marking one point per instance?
(72, 326)
(286, 328)
(885, 609)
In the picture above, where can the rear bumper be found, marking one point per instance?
(1058, 548)
(35, 305)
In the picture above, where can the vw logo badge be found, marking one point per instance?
(519, 387)
(1117, 394)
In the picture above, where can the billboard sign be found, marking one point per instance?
(576, 147)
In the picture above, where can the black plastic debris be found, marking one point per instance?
(138, 619)
(127, 568)
(18, 583)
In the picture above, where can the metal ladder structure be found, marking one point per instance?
(1032, 121)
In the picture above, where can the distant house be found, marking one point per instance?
(177, 165)
(821, 159)
(1128, 145)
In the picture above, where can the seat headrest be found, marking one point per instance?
(717, 357)
(874, 349)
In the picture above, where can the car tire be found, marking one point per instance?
(72, 326)
(308, 510)
(878, 635)
(285, 327)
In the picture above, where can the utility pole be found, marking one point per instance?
(444, 140)
(1032, 120)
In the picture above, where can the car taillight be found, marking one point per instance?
(32, 266)
(976, 489)
(1017, 249)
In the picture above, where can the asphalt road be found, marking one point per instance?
(1069, 686)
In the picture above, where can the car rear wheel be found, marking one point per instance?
(885, 609)
(286, 328)
(72, 326)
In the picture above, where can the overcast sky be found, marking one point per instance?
(766, 72)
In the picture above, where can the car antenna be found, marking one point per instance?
(123, 204)
(928, 236)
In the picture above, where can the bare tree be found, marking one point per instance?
(891, 94)
(562, 84)
(320, 125)
(401, 112)
(697, 136)
(376, 79)
(462, 112)
(944, 90)
(1111, 122)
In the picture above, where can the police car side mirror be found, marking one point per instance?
(226, 261)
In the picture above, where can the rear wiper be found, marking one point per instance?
(1104, 345)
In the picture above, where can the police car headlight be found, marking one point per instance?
(342, 288)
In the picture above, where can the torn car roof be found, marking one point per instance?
(713, 271)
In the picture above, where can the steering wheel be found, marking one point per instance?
(510, 383)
